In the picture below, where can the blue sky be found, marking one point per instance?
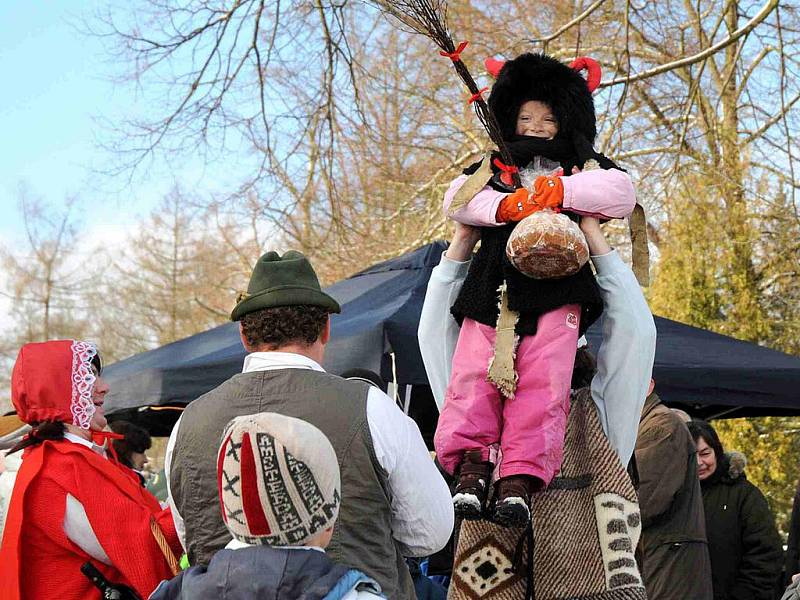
(56, 88)
(52, 90)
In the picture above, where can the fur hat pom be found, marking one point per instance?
(545, 79)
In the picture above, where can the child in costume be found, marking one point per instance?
(280, 492)
(546, 115)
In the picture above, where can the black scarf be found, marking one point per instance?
(561, 149)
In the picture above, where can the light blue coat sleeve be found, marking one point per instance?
(626, 354)
(438, 330)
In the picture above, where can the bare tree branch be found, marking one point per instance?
(567, 26)
(762, 14)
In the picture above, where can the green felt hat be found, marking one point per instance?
(287, 280)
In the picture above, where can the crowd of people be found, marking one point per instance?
(264, 473)
(561, 476)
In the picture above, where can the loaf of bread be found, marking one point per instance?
(547, 245)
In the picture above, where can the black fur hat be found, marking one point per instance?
(540, 77)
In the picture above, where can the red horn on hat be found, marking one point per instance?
(593, 71)
(493, 66)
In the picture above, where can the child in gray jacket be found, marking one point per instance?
(280, 491)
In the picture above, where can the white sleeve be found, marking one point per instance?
(438, 330)
(422, 509)
(79, 531)
(7, 479)
(626, 354)
(180, 528)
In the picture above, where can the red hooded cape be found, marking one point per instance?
(37, 559)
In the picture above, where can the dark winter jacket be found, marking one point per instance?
(675, 560)
(792, 559)
(743, 543)
(265, 573)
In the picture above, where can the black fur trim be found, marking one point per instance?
(543, 78)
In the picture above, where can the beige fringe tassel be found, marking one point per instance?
(640, 252)
(501, 367)
(472, 185)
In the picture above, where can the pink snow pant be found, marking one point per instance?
(529, 427)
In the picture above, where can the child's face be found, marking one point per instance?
(535, 119)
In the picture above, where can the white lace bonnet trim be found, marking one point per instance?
(83, 379)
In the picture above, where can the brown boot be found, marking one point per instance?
(512, 508)
(469, 497)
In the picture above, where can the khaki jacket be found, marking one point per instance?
(674, 546)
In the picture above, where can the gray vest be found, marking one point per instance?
(362, 537)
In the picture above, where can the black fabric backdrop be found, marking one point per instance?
(708, 374)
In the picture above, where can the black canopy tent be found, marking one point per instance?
(376, 330)
(709, 375)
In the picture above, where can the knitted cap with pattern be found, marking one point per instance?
(278, 478)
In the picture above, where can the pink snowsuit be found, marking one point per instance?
(529, 428)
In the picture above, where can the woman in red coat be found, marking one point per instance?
(71, 504)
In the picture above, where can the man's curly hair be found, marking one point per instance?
(271, 328)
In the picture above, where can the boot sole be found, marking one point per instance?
(467, 506)
(512, 514)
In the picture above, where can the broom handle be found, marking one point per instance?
(485, 113)
(428, 18)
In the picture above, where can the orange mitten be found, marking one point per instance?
(515, 207)
(548, 192)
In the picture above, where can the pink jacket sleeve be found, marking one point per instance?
(599, 193)
(480, 211)
(606, 193)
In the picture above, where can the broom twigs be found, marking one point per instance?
(429, 18)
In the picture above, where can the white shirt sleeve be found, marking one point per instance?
(438, 330)
(7, 479)
(180, 528)
(79, 531)
(625, 358)
(422, 509)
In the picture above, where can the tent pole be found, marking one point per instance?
(407, 403)
(723, 413)
(395, 386)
